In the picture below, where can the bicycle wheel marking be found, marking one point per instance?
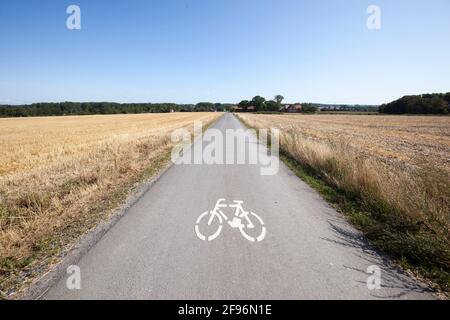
(245, 221)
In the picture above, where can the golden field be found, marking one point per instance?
(393, 171)
(59, 176)
(400, 141)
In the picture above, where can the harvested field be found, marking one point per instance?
(394, 169)
(403, 141)
(59, 176)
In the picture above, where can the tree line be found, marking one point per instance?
(435, 103)
(259, 103)
(89, 108)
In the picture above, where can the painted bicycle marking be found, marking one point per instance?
(247, 222)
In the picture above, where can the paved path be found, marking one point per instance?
(309, 251)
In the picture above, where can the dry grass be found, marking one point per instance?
(60, 175)
(396, 168)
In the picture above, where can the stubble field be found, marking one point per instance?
(59, 176)
(390, 174)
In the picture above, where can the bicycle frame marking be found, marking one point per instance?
(242, 220)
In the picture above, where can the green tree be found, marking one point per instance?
(438, 106)
(219, 107)
(204, 106)
(279, 99)
(259, 102)
(419, 104)
(309, 108)
(272, 106)
(244, 104)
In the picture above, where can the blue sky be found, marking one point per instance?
(222, 51)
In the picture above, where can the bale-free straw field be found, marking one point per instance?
(390, 174)
(59, 176)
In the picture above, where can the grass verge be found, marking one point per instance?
(17, 273)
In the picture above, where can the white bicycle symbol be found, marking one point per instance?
(242, 220)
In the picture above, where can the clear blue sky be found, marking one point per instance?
(222, 50)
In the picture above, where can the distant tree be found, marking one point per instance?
(84, 108)
(244, 104)
(219, 107)
(446, 97)
(227, 106)
(419, 104)
(259, 103)
(272, 106)
(279, 98)
(204, 106)
(309, 108)
(438, 105)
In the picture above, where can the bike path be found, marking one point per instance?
(309, 250)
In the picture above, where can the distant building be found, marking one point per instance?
(292, 108)
(245, 109)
